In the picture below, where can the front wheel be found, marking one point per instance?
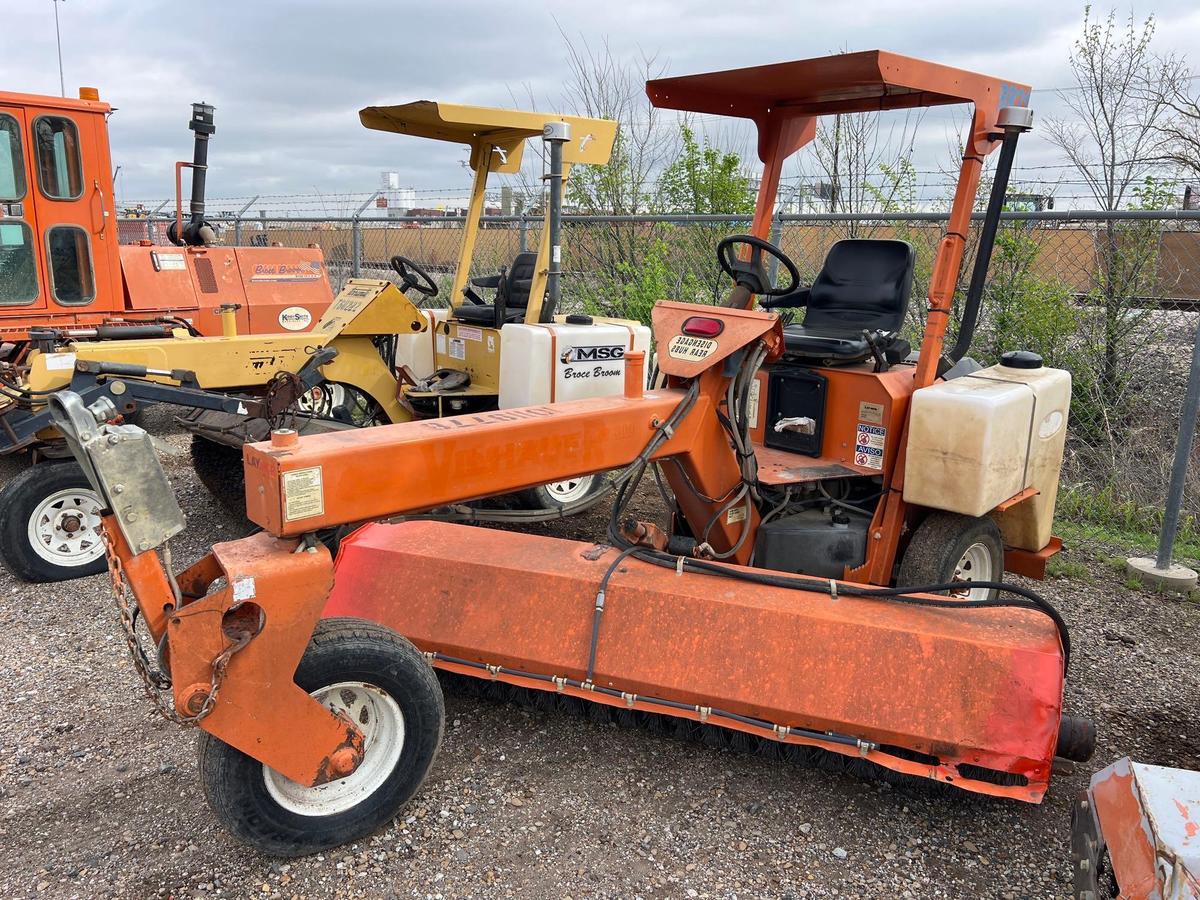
(382, 682)
(50, 527)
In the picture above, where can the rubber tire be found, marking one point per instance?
(17, 502)
(939, 543)
(540, 498)
(219, 468)
(341, 649)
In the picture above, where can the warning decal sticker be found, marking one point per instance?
(303, 494)
(683, 346)
(458, 348)
(59, 362)
(869, 444)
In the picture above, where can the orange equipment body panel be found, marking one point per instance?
(526, 603)
(283, 617)
(63, 189)
(286, 288)
(855, 395)
(64, 182)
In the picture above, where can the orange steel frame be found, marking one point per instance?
(125, 287)
(419, 465)
(784, 101)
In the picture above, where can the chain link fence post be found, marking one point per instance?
(1161, 572)
(774, 238)
(150, 220)
(237, 221)
(356, 236)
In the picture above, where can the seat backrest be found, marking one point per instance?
(864, 284)
(518, 280)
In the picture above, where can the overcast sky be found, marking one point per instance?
(288, 78)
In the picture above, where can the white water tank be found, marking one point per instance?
(566, 360)
(416, 350)
(978, 440)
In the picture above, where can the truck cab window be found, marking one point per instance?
(60, 172)
(18, 275)
(12, 165)
(70, 255)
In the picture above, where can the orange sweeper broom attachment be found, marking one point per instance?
(815, 588)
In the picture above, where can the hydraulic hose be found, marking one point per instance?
(897, 594)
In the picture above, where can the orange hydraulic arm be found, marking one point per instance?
(318, 482)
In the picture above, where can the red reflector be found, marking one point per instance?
(700, 326)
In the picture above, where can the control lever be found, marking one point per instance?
(873, 339)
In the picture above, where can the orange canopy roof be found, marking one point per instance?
(841, 83)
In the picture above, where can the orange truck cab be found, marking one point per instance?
(61, 262)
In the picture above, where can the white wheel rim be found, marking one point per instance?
(321, 399)
(572, 489)
(379, 718)
(975, 565)
(65, 528)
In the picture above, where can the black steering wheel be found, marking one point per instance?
(751, 273)
(413, 275)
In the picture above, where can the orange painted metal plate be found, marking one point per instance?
(980, 687)
(157, 278)
(1149, 818)
(287, 289)
(259, 709)
(686, 356)
(1016, 499)
(1030, 563)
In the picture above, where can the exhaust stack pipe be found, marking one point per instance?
(196, 232)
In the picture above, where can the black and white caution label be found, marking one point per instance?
(869, 443)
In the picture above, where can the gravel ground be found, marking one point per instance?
(99, 797)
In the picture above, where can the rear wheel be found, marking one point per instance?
(382, 682)
(558, 494)
(50, 528)
(949, 547)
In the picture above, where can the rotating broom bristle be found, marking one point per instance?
(704, 734)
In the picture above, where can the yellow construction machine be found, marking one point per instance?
(373, 358)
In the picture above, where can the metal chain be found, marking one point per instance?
(156, 684)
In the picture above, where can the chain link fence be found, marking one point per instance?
(1112, 297)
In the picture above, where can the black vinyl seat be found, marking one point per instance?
(512, 286)
(864, 285)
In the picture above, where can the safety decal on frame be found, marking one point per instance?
(752, 403)
(684, 346)
(56, 362)
(869, 444)
(871, 412)
(244, 588)
(470, 334)
(303, 494)
(458, 348)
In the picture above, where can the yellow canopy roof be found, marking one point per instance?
(480, 126)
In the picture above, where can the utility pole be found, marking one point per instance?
(62, 82)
